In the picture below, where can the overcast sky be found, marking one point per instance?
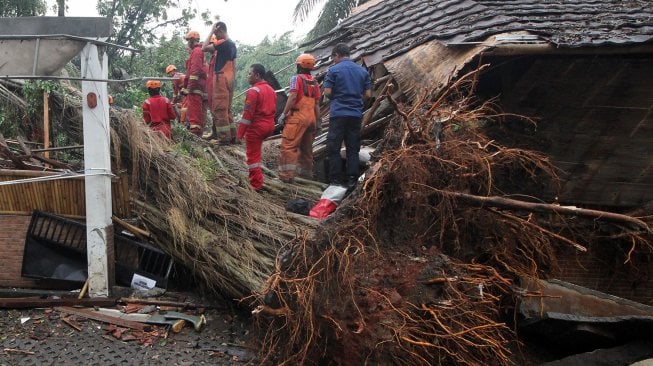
(248, 21)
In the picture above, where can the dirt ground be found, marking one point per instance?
(46, 337)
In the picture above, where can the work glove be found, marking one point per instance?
(184, 91)
(281, 120)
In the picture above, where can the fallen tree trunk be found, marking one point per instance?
(197, 205)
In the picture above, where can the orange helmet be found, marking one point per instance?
(305, 60)
(110, 100)
(171, 68)
(153, 84)
(192, 35)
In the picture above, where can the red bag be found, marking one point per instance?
(322, 209)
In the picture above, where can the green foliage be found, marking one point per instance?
(264, 53)
(8, 117)
(182, 137)
(183, 146)
(22, 8)
(33, 95)
(154, 59)
(333, 12)
(208, 167)
(131, 97)
(149, 63)
(141, 22)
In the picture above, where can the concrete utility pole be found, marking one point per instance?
(97, 163)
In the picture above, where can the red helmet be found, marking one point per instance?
(171, 68)
(193, 35)
(153, 84)
(305, 60)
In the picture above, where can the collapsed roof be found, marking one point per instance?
(593, 127)
(381, 30)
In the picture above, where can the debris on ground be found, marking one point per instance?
(64, 335)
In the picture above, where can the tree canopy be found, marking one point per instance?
(22, 8)
(271, 53)
(139, 23)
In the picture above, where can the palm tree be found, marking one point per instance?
(61, 8)
(331, 14)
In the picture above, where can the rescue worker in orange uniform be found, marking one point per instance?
(195, 84)
(221, 82)
(300, 122)
(177, 97)
(257, 122)
(157, 109)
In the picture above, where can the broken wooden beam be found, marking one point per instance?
(72, 323)
(6, 152)
(140, 233)
(28, 303)
(178, 304)
(52, 162)
(95, 315)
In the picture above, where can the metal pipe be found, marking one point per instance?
(36, 55)
(69, 36)
(58, 148)
(32, 77)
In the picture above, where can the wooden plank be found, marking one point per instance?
(52, 162)
(46, 123)
(28, 303)
(29, 213)
(94, 315)
(14, 173)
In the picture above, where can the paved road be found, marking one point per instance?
(41, 337)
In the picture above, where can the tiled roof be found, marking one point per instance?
(393, 27)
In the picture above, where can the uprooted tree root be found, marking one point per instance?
(414, 269)
(353, 305)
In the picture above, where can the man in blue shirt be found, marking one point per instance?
(348, 85)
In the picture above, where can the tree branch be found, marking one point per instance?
(544, 207)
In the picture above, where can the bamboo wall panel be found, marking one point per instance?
(62, 196)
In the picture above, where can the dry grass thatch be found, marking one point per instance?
(197, 202)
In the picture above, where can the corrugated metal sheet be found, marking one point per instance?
(393, 27)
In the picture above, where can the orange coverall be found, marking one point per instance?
(299, 129)
(221, 88)
(195, 84)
